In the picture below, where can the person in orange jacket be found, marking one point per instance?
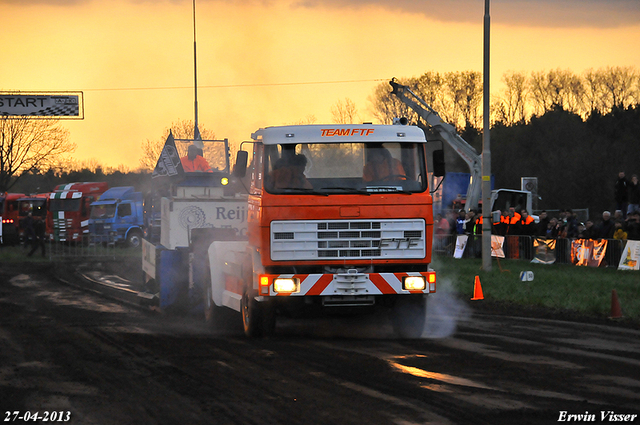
(194, 162)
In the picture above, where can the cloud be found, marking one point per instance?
(530, 13)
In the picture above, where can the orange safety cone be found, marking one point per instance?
(477, 290)
(616, 312)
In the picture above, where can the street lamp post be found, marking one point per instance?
(486, 148)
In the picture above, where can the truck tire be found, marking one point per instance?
(258, 319)
(251, 315)
(409, 316)
(134, 239)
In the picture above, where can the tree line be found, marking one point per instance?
(573, 132)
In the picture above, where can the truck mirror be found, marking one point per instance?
(438, 163)
(240, 168)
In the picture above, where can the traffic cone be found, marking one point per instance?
(477, 290)
(616, 312)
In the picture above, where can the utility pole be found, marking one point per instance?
(486, 147)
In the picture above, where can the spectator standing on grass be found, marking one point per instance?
(619, 232)
(470, 222)
(621, 193)
(572, 224)
(39, 237)
(29, 231)
(633, 226)
(552, 228)
(460, 223)
(541, 226)
(589, 232)
(527, 224)
(606, 226)
(634, 195)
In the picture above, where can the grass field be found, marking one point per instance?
(556, 289)
(559, 288)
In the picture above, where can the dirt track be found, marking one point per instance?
(105, 362)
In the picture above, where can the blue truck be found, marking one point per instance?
(118, 217)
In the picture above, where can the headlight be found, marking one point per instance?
(286, 285)
(414, 283)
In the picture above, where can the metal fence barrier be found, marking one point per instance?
(522, 248)
(88, 246)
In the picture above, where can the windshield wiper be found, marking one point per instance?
(348, 189)
(303, 190)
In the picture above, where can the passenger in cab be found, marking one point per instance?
(288, 173)
(194, 161)
(382, 166)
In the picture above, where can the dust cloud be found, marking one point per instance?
(445, 309)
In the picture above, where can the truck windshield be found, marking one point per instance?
(103, 211)
(65, 205)
(37, 207)
(334, 168)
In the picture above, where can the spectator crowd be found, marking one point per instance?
(624, 224)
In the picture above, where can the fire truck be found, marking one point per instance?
(70, 208)
(10, 218)
(339, 219)
(37, 205)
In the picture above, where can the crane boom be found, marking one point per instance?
(449, 134)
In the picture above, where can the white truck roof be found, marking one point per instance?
(339, 133)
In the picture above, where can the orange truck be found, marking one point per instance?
(339, 219)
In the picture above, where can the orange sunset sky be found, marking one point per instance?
(275, 62)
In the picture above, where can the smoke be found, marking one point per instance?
(444, 311)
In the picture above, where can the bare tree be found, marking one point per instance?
(510, 106)
(557, 88)
(183, 129)
(386, 106)
(465, 91)
(344, 112)
(28, 144)
(619, 84)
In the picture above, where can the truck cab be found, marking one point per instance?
(10, 218)
(339, 218)
(69, 210)
(117, 217)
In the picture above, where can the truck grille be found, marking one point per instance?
(357, 239)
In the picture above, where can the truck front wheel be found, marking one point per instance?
(409, 316)
(134, 239)
(258, 319)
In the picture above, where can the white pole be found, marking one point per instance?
(486, 147)
(195, 71)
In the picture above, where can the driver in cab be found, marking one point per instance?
(382, 166)
(289, 173)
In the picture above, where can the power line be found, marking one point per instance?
(226, 86)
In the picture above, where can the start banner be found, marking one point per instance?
(42, 104)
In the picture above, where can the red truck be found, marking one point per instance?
(10, 217)
(70, 209)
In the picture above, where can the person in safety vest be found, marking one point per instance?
(527, 224)
(289, 173)
(382, 166)
(193, 162)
